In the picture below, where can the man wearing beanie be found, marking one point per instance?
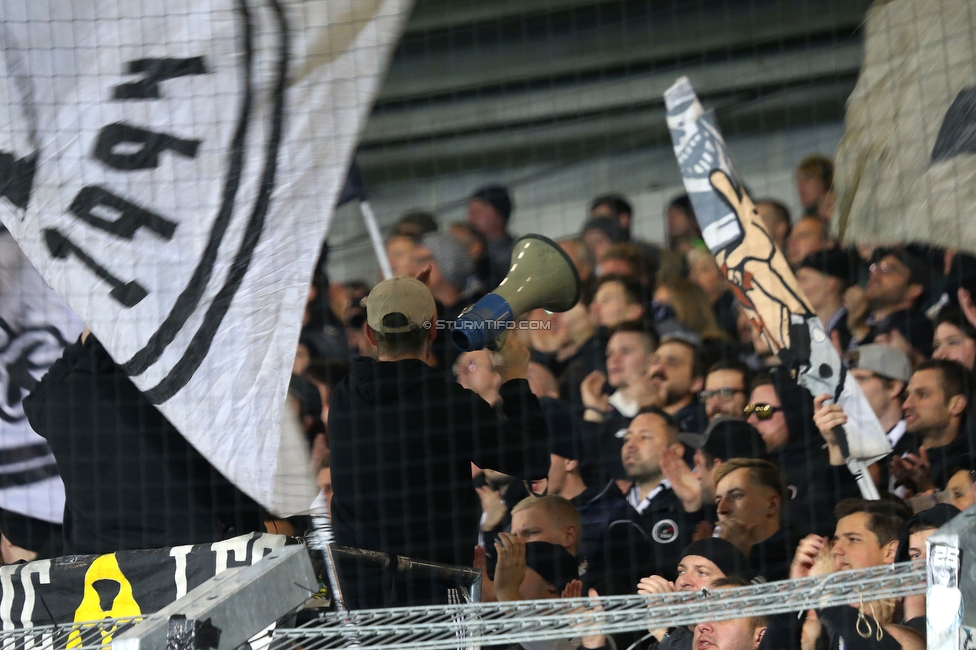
(824, 277)
(701, 563)
(489, 210)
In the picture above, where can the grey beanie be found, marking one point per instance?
(451, 256)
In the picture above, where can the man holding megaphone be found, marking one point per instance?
(402, 440)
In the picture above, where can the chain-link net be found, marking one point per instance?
(200, 201)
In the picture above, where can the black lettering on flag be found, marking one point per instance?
(131, 217)
(958, 133)
(128, 148)
(155, 71)
(128, 294)
(17, 178)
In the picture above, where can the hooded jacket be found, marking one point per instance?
(402, 440)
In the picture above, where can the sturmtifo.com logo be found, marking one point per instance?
(489, 325)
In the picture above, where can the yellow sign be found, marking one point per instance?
(124, 605)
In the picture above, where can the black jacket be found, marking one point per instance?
(941, 459)
(571, 372)
(402, 440)
(815, 486)
(598, 507)
(771, 558)
(644, 544)
(130, 479)
(602, 444)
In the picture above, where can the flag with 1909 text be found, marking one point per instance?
(171, 170)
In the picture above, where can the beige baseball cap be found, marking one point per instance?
(399, 305)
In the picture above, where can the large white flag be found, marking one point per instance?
(35, 326)
(171, 170)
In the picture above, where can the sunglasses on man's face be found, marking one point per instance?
(762, 411)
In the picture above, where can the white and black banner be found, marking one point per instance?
(124, 584)
(35, 326)
(171, 169)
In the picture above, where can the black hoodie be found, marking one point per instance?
(402, 440)
(130, 479)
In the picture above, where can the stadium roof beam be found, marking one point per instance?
(444, 14)
(541, 106)
(673, 37)
(572, 139)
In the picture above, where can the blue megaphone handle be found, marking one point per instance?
(484, 322)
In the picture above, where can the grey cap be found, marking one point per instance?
(451, 256)
(882, 360)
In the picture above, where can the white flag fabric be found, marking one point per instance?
(906, 166)
(171, 170)
(35, 326)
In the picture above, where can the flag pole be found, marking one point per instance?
(369, 218)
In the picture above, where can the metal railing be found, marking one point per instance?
(441, 627)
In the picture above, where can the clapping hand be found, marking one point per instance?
(510, 568)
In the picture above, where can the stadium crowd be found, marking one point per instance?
(680, 449)
(647, 440)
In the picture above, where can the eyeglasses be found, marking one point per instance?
(724, 394)
(762, 411)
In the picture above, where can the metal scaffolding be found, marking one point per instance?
(469, 625)
(451, 626)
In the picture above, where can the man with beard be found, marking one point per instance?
(657, 510)
(934, 412)
(726, 390)
(676, 378)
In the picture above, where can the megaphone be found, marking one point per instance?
(541, 275)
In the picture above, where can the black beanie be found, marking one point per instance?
(497, 197)
(608, 226)
(725, 555)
